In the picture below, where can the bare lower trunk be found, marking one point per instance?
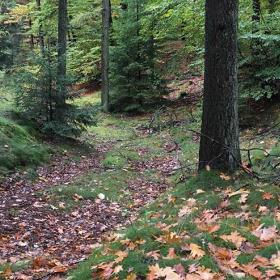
(106, 16)
(219, 147)
(61, 51)
(41, 36)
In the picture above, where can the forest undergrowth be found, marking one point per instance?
(132, 196)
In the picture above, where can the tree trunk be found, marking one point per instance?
(272, 6)
(106, 16)
(256, 18)
(61, 51)
(41, 36)
(219, 146)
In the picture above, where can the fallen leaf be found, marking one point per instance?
(196, 251)
(234, 238)
(131, 276)
(121, 256)
(171, 254)
(267, 196)
(266, 234)
(154, 254)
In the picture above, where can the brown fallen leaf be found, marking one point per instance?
(180, 269)
(171, 254)
(267, 196)
(250, 269)
(265, 234)
(154, 254)
(168, 273)
(211, 228)
(234, 238)
(121, 255)
(39, 262)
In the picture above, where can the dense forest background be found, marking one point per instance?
(162, 38)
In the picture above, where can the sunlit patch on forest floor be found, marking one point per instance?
(133, 198)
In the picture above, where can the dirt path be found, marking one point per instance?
(46, 241)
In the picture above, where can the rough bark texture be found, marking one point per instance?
(106, 16)
(219, 147)
(61, 49)
(256, 11)
(41, 35)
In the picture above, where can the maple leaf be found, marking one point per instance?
(118, 269)
(169, 238)
(152, 274)
(39, 262)
(251, 270)
(154, 254)
(168, 272)
(179, 269)
(221, 253)
(196, 251)
(171, 254)
(267, 196)
(131, 276)
(243, 198)
(121, 256)
(266, 234)
(234, 238)
(275, 260)
(208, 228)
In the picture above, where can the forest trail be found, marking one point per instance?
(52, 222)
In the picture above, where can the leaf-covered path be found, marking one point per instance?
(44, 234)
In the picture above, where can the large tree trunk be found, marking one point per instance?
(61, 51)
(219, 146)
(106, 17)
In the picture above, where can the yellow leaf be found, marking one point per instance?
(196, 251)
(131, 276)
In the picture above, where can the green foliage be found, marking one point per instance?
(259, 65)
(18, 147)
(135, 83)
(38, 99)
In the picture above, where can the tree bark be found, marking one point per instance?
(106, 16)
(41, 36)
(256, 4)
(219, 146)
(61, 51)
(272, 6)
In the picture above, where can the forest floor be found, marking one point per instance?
(131, 196)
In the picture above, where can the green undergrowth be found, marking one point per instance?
(18, 148)
(158, 222)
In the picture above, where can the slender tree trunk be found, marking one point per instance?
(219, 146)
(256, 17)
(41, 35)
(106, 15)
(61, 51)
(31, 35)
(272, 6)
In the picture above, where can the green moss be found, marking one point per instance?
(208, 262)
(113, 186)
(18, 148)
(245, 258)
